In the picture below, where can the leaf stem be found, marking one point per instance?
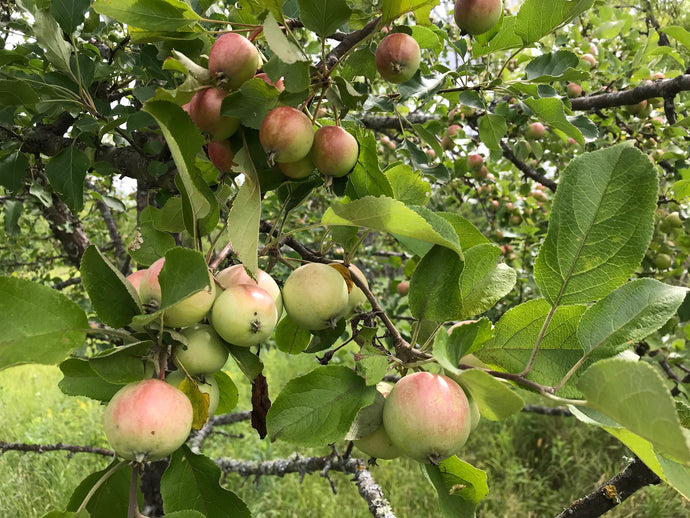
(540, 338)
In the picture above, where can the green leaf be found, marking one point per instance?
(153, 15)
(13, 169)
(245, 214)
(496, 400)
(492, 128)
(434, 289)
(467, 233)
(229, 395)
(115, 300)
(200, 209)
(366, 179)
(555, 66)
(251, 103)
(248, 362)
(184, 272)
(39, 324)
(537, 18)
(392, 9)
(552, 111)
(389, 215)
(596, 237)
(69, 13)
(484, 282)
(629, 314)
(12, 211)
(122, 365)
(49, 36)
(324, 17)
(79, 379)
(515, 335)
(679, 34)
(460, 340)
(318, 408)
(111, 499)
(16, 93)
(372, 364)
(187, 513)
(192, 482)
(67, 514)
(635, 395)
(291, 338)
(460, 486)
(148, 243)
(66, 172)
(407, 185)
(295, 76)
(285, 49)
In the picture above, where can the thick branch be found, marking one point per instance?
(42, 448)
(67, 229)
(612, 492)
(527, 170)
(662, 88)
(349, 41)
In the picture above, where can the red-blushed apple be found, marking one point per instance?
(280, 85)
(297, 170)
(236, 274)
(403, 288)
(204, 353)
(204, 111)
(315, 296)
(535, 131)
(244, 315)
(209, 386)
(573, 90)
(637, 108)
(477, 16)
(475, 162)
(187, 311)
(482, 174)
(147, 420)
(335, 151)
(233, 59)
(378, 444)
(427, 416)
(220, 154)
(397, 57)
(286, 135)
(135, 278)
(590, 59)
(451, 133)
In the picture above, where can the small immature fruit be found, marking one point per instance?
(233, 59)
(477, 16)
(209, 386)
(204, 110)
(220, 154)
(187, 311)
(535, 131)
(378, 444)
(403, 288)
(590, 59)
(204, 352)
(397, 57)
(244, 315)
(475, 162)
(673, 220)
(335, 151)
(637, 108)
(573, 90)
(286, 134)
(147, 420)
(427, 416)
(315, 296)
(236, 274)
(663, 261)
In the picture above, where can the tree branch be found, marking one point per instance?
(42, 448)
(662, 88)
(527, 170)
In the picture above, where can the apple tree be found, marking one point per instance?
(185, 182)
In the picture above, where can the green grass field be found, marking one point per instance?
(536, 464)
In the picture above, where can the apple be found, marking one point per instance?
(397, 57)
(535, 131)
(451, 132)
(244, 315)
(233, 59)
(236, 274)
(481, 174)
(673, 220)
(590, 59)
(477, 16)
(135, 278)
(209, 386)
(204, 110)
(220, 154)
(299, 169)
(403, 288)
(427, 416)
(315, 296)
(475, 162)
(280, 85)
(147, 420)
(286, 134)
(663, 261)
(356, 298)
(637, 108)
(204, 353)
(335, 151)
(378, 444)
(187, 311)
(573, 90)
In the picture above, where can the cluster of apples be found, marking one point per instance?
(425, 416)
(147, 420)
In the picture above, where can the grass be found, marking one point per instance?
(536, 464)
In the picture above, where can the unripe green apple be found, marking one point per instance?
(233, 59)
(378, 444)
(397, 57)
(286, 134)
(244, 315)
(204, 353)
(427, 416)
(663, 261)
(147, 420)
(236, 274)
(477, 16)
(335, 151)
(590, 59)
(636, 109)
(315, 296)
(673, 219)
(356, 298)
(296, 170)
(573, 90)
(186, 312)
(204, 110)
(208, 386)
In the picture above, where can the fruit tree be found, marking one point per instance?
(457, 211)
